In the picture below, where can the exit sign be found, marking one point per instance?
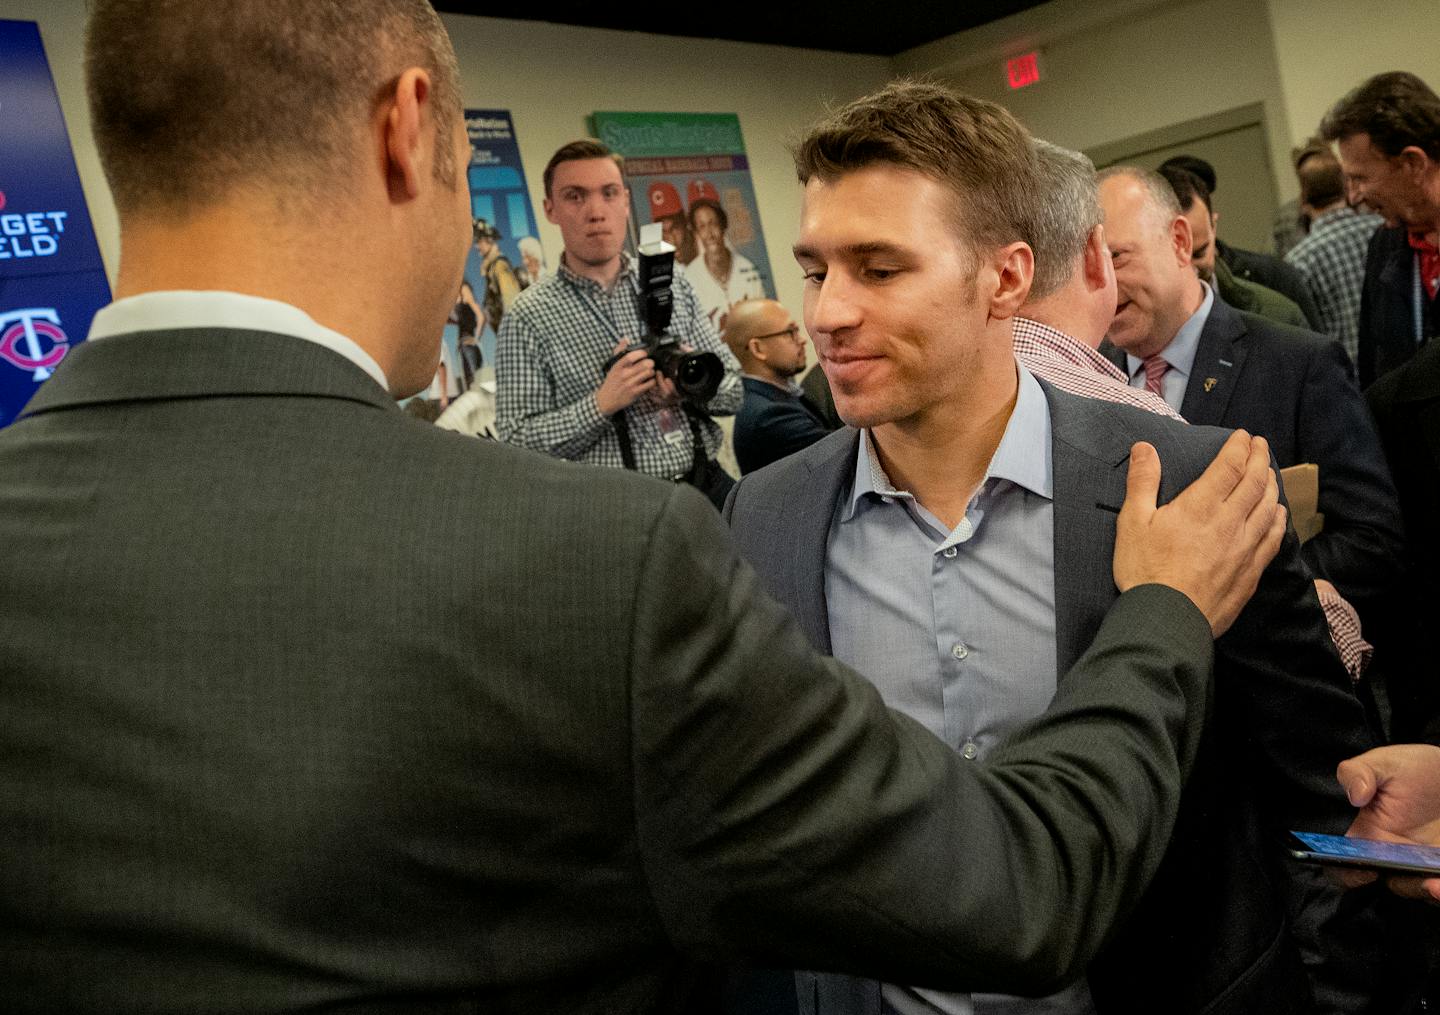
(1023, 71)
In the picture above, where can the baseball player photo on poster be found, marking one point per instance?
(505, 258)
(689, 172)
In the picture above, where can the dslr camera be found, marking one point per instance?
(696, 375)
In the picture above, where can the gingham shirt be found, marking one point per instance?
(552, 346)
(1073, 366)
(1332, 259)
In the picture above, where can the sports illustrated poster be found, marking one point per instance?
(689, 172)
(505, 256)
(52, 280)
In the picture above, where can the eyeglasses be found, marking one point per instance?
(793, 332)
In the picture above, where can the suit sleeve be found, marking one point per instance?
(781, 429)
(786, 815)
(1359, 548)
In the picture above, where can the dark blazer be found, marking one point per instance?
(306, 705)
(1387, 307)
(773, 423)
(1295, 389)
(1211, 934)
(1406, 404)
(1272, 273)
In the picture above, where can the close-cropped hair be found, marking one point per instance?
(1397, 110)
(579, 151)
(1067, 210)
(1322, 182)
(974, 147)
(191, 98)
(1201, 169)
(1187, 187)
(1160, 200)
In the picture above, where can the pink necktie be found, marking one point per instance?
(1155, 368)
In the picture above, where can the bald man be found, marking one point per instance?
(776, 419)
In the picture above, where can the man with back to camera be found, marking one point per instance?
(1388, 134)
(570, 383)
(958, 541)
(776, 419)
(1221, 367)
(1249, 265)
(1332, 255)
(262, 750)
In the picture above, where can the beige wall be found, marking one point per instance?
(1118, 68)
(551, 77)
(1326, 47)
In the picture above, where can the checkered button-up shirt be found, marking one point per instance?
(552, 348)
(1332, 258)
(1073, 366)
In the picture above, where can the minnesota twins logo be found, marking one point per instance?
(21, 335)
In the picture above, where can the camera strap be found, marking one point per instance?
(698, 461)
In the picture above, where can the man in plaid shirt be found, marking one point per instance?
(1333, 255)
(555, 392)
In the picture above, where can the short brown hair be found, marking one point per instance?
(1397, 110)
(191, 97)
(579, 151)
(975, 147)
(1322, 182)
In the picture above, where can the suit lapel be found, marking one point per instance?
(1219, 358)
(806, 530)
(1088, 458)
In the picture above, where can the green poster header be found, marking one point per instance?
(655, 135)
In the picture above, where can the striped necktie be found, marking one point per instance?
(1155, 368)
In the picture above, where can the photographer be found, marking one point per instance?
(575, 378)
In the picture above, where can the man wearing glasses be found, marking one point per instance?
(776, 419)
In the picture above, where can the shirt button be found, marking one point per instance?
(970, 752)
(950, 552)
(959, 650)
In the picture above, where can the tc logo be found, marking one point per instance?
(20, 335)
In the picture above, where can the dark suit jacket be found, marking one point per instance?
(1406, 404)
(1295, 389)
(1272, 273)
(1211, 935)
(772, 424)
(304, 704)
(1387, 307)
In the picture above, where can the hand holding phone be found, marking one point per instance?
(1366, 854)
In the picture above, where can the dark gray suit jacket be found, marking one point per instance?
(1211, 934)
(306, 705)
(1296, 389)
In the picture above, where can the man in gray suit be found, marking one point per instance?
(262, 746)
(953, 548)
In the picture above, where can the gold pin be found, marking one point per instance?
(1210, 383)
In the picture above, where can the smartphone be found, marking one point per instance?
(1366, 854)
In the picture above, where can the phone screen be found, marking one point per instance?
(1372, 854)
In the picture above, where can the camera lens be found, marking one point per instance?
(698, 375)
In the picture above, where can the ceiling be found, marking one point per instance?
(874, 28)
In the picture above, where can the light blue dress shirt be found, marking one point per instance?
(1180, 354)
(956, 628)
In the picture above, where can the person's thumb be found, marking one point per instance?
(1142, 485)
(1359, 778)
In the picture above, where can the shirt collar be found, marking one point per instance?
(1022, 457)
(1180, 353)
(172, 310)
(627, 270)
(1033, 337)
(1333, 215)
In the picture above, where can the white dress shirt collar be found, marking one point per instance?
(184, 310)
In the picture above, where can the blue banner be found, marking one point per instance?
(52, 280)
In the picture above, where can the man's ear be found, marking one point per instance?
(1414, 160)
(409, 135)
(756, 348)
(1097, 266)
(1014, 266)
(1181, 239)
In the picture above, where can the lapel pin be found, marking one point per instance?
(1209, 385)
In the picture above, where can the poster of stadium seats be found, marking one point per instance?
(689, 172)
